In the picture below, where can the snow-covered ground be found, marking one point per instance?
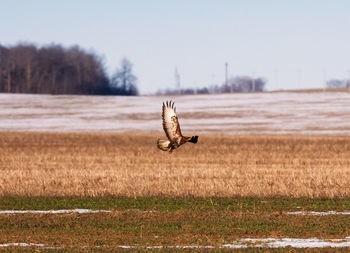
(258, 113)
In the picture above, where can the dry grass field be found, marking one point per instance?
(130, 165)
(218, 193)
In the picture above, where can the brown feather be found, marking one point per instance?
(171, 123)
(172, 129)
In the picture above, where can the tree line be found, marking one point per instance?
(338, 83)
(236, 84)
(53, 69)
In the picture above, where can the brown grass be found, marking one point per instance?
(60, 164)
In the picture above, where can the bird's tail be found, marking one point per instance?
(163, 145)
(194, 139)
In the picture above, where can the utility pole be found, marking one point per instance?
(349, 82)
(212, 79)
(253, 82)
(195, 87)
(212, 83)
(226, 77)
(324, 79)
(177, 80)
(276, 78)
(299, 78)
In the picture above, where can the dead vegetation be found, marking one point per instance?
(129, 164)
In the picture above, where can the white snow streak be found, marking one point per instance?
(319, 213)
(22, 244)
(293, 242)
(53, 211)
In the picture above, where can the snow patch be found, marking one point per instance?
(292, 242)
(22, 244)
(319, 213)
(54, 211)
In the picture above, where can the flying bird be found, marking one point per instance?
(172, 129)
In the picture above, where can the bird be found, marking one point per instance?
(172, 129)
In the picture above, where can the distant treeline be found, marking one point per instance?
(236, 84)
(338, 83)
(53, 69)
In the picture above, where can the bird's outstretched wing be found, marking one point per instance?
(171, 124)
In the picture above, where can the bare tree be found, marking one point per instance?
(246, 84)
(124, 81)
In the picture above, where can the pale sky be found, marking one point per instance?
(293, 44)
